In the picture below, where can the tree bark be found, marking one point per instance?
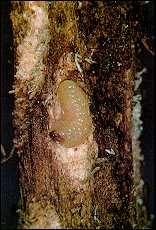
(92, 184)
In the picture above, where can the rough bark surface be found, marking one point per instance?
(91, 43)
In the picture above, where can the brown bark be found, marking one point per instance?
(103, 35)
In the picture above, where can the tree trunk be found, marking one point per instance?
(88, 180)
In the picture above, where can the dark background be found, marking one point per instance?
(9, 175)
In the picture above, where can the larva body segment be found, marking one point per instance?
(75, 121)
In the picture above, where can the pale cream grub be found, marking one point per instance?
(75, 121)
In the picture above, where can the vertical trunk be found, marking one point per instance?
(87, 181)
